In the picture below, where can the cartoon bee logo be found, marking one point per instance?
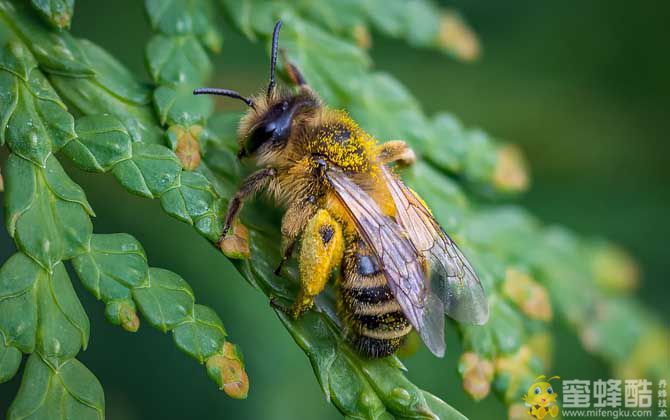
(541, 398)
(345, 207)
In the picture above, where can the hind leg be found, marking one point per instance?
(396, 151)
(295, 219)
(321, 250)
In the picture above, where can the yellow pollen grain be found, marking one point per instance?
(353, 154)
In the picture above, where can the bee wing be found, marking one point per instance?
(452, 278)
(399, 260)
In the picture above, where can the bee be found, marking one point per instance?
(541, 398)
(346, 208)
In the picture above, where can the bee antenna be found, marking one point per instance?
(273, 56)
(224, 92)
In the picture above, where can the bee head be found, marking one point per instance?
(267, 127)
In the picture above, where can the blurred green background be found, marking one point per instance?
(583, 87)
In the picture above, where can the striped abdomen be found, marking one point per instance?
(377, 325)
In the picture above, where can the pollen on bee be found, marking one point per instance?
(344, 143)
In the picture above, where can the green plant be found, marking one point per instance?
(62, 97)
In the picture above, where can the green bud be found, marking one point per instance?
(186, 144)
(510, 173)
(236, 244)
(456, 37)
(226, 368)
(614, 269)
(531, 297)
(477, 374)
(123, 313)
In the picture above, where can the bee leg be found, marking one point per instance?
(287, 252)
(250, 186)
(278, 306)
(321, 250)
(396, 151)
(293, 73)
(295, 219)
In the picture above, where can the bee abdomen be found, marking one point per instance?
(377, 325)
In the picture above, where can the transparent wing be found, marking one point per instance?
(452, 278)
(400, 261)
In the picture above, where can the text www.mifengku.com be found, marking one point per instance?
(606, 413)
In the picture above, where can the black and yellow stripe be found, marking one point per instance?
(376, 323)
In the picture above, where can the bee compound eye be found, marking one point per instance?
(537, 390)
(550, 390)
(284, 105)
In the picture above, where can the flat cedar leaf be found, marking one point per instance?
(339, 17)
(507, 225)
(62, 319)
(46, 211)
(102, 142)
(443, 195)
(220, 144)
(350, 393)
(57, 51)
(177, 59)
(441, 409)
(449, 144)
(479, 339)
(115, 264)
(113, 76)
(416, 21)
(18, 315)
(112, 90)
(63, 187)
(37, 122)
(195, 201)
(422, 23)
(387, 16)
(57, 12)
(419, 22)
(386, 109)
(480, 157)
(152, 170)
(98, 87)
(40, 310)
(20, 194)
(254, 16)
(564, 270)
(334, 72)
(68, 391)
(89, 97)
(10, 360)
(202, 336)
(176, 104)
(165, 299)
(505, 325)
(618, 318)
(177, 17)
